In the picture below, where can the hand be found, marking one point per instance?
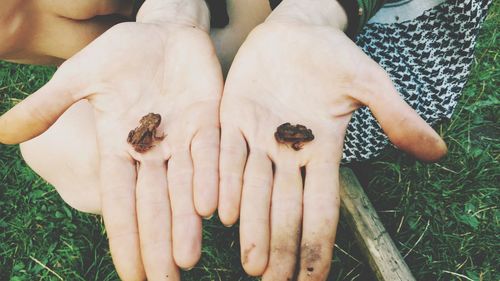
(304, 72)
(48, 31)
(166, 67)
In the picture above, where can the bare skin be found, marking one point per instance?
(74, 153)
(277, 78)
(50, 31)
(78, 187)
(151, 219)
(272, 253)
(76, 124)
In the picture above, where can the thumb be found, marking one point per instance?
(35, 114)
(404, 127)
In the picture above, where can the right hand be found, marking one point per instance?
(50, 31)
(309, 73)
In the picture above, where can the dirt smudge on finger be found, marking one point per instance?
(310, 254)
(247, 252)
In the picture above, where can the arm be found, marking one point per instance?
(182, 12)
(358, 12)
(48, 32)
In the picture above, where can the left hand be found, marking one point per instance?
(300, 68)
(162, 66)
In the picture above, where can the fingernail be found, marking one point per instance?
(209, 217)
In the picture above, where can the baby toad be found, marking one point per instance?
(143, 137)
(296, 135)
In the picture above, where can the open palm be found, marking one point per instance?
(152, 201)
(314, 76)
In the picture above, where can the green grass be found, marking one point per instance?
(444, 217)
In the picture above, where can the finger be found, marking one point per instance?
(186, 223)
(404, 127)
(255, 207)
(87, 9)
(321, 215)
(118, 180)
(38, 112)
(205, 153)
(233, 154)
(286, 216)
(154, 218)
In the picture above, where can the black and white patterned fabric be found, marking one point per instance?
(428, 59)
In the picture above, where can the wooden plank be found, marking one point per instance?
(375, 243)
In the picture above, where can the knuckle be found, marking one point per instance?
(155, 203)
(204, 182)
(205, 169)
(232, 150)
(117, 194)
(204, 145)
(182, 216)
(230, 179)
(119, 236)
(253, 221)
(257, 183)
(284, 250)
(180, 180)
(148, 245)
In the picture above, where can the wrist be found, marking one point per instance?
(183, 12)
(314, 12)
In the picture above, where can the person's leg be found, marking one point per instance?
(67, 157)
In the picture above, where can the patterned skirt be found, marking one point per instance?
(427, 47)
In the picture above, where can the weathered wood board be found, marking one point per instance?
(357, 211)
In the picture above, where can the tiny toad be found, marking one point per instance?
(143, 137)
(296, 135)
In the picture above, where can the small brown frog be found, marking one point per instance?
(143, 137)
(296, 135)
